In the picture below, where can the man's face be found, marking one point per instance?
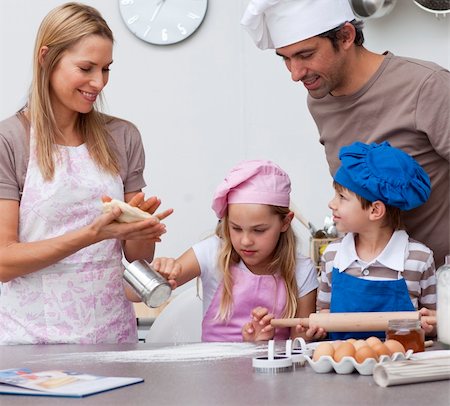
(319, 66)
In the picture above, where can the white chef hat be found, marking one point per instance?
(277, 23)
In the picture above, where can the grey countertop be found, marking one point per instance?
(228, 381)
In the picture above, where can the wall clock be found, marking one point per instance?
(163, 22)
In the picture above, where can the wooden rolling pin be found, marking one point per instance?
(342, 322)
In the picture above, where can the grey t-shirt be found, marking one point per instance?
(124, 139)
(406, 102)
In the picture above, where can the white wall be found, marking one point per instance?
(207, 103)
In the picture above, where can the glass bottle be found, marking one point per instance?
(443, 302)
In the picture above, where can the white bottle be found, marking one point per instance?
(443, 302)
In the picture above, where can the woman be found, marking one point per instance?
(60, 257)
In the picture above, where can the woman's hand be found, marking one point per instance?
(149, 205)
(149, 230)
(169, 268)
(259, 328)
(105, 227)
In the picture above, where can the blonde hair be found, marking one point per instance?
(60, 30)
(284, 259)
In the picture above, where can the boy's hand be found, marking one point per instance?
(430, 330)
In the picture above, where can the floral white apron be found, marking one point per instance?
(81, 298)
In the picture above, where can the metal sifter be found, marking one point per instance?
(151, 287)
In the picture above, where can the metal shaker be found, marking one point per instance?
(151, 287)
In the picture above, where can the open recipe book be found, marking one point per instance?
(23, 381)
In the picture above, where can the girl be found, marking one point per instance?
(60, 258)
(251, 263)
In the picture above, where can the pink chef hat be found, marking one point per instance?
(254, 181)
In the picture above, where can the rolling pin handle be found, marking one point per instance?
(289, 322)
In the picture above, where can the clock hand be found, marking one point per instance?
(158, 7)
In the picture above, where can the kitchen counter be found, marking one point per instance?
(229, 381)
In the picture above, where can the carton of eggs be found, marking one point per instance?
(345, 356)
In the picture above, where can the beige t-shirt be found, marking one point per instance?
(406, 102)
(125, 140)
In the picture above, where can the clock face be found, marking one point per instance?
(163, 22)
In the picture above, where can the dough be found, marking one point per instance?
(130, 214)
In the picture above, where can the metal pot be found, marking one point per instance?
(372, 8)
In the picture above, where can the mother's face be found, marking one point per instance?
(80, 75)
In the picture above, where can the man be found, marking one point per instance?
(359, 95)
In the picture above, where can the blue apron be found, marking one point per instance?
(352, 294)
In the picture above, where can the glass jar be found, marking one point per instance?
(408, 332)
(443, 302)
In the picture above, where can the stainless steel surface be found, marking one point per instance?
(214, 382)
(372, 8)
(151, 287)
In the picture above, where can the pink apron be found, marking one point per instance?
(81, 298)
(249, 291)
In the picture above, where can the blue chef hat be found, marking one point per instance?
(381, 172)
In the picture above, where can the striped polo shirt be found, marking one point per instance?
(401, 258)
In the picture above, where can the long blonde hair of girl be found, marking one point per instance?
(61, 29)
(284, 260)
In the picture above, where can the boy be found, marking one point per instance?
(376, 267)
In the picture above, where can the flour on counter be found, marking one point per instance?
(179, 353)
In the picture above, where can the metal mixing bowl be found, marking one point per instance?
(372, 8)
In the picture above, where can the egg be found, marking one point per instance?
(365, 352)
(360, 343)
(382, 349)
(372, 341)
(322, 350)
(351, 340)
(336, 343)
(394, 346)
(345, 349)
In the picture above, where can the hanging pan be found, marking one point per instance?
(438, 7)
(372, 8)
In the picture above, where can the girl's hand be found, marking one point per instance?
(169, 268)
(259, 328)
(312, 333)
